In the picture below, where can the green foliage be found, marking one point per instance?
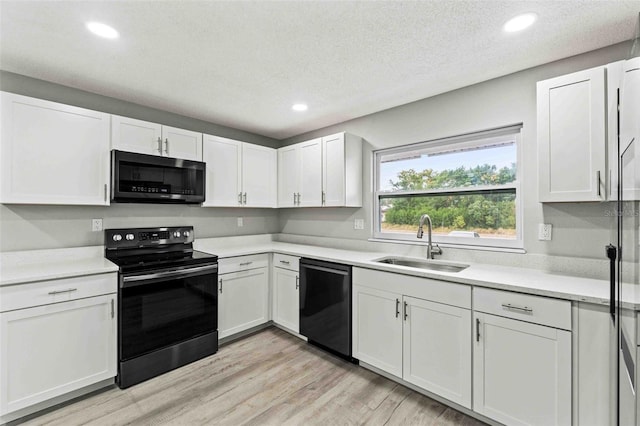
(459, 211)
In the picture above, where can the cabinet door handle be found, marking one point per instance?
(297, 282)
(517, 308)
(246, 263)
(166, 146)
(244, 199)
(294, 198)
(397, 308)
(298, 198)
(324, 198)
(69, 290)
(159, 145)
(220, 285)
(405, 311)
(477, 329)
(105, 192)
(239, 197)
(112, 309)
(598, 182)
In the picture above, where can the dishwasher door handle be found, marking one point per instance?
(323, 269)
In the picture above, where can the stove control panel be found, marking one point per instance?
(147, 237)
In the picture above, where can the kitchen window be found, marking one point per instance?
(468, 185)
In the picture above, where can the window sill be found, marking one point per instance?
(453, 246)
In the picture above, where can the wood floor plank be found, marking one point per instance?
(269, 378)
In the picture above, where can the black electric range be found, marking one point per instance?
(167, 300)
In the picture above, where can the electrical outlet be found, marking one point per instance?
(96, 225)
(544, 231)
(358, 224)
(240, 222)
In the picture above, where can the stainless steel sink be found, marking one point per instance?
(432, 265)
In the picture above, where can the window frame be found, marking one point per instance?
(467, 139)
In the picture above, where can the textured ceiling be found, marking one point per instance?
(243, 64)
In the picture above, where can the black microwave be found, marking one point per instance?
(142, 178)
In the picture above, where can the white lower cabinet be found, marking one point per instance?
(521, 370)
(377, 329)
(56, 348)
(286, 289)
(424, 342)
(437, 349)
(242, 296)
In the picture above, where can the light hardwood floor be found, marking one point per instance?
(269, 378)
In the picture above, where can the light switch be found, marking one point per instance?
(358, 224)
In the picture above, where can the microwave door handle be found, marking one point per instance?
(136, 280)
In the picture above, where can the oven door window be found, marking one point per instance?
(162, 313)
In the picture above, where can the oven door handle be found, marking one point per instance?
(136, 280)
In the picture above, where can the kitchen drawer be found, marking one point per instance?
(242, 263)
(285, 261)
(525, 307)
(21, 296)
(421, 288)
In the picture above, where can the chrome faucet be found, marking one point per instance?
(431, 250)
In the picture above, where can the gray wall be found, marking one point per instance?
(24, 227)
(580, 229)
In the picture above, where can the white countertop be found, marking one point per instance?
(18, 267)
(38, 265)
(531, 281)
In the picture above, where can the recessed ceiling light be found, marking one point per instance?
(520, 22)
(299, 107)
(102, 30)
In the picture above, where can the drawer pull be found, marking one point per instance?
(286, 262)
(246, 263)
(518, 308)
(69, 290)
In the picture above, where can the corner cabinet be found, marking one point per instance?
(52, 153)
(129, 134)
(239, 174)
(522, 358)
(322, 172)
(421, 334)
(572, 139)
(56, 337)
(243, 293)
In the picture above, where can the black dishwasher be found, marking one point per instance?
(325, 305)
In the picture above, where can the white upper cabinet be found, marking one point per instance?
(288, 176)
(342, 170)
(300, 174)
(572, 137)
(239, 174)
(310, 182)
(320, 172)
(630, 127)
(52, 153)
(259, 176)
(129, 134)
